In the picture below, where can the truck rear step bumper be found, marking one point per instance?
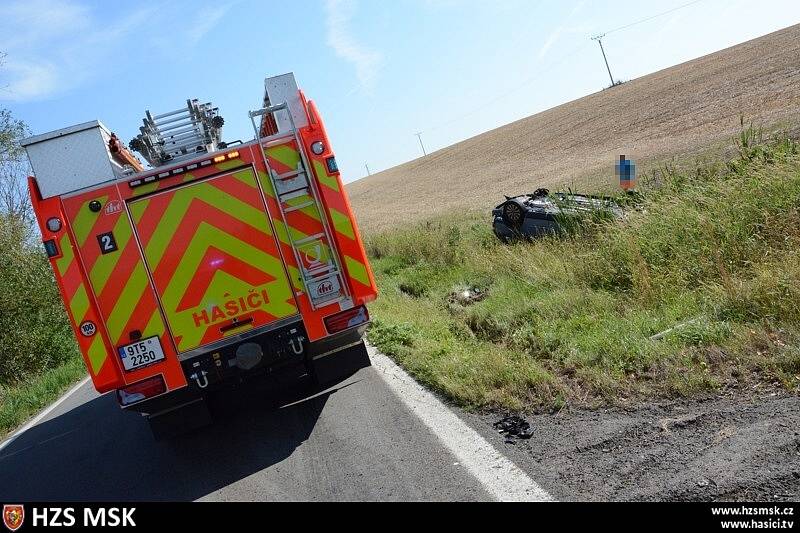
(279, 352)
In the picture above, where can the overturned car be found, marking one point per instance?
(544, 213)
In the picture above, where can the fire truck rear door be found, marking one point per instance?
(214, 260)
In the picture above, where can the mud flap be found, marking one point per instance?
(340, 365)
(182, 420)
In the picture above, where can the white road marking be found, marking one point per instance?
(500, 477)
(43, 414)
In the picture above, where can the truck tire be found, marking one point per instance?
(180, 420)
(338, 366)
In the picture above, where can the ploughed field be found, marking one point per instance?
(677, 111)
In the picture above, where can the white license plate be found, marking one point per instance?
(142, 353)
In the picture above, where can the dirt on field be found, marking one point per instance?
(717, 448)
(677, 111)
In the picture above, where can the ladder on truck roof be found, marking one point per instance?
(180, 134)
(295, 184)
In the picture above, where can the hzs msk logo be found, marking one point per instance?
(13, 516)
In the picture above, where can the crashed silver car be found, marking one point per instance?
(543, 213)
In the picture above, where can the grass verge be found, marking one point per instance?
(39, 358)
(22, 400)
(709, 255)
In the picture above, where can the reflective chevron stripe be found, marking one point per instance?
(83, 223)
(78, 301)
(214, 258)
(322, 175)
(285, 158)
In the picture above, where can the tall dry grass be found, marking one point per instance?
(570, 318)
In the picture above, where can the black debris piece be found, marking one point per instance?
(513, 427)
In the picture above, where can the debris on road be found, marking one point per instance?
(513, 427)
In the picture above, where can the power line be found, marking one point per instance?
(514, 89)
(555, 64)
(599, 38)
(626, 26)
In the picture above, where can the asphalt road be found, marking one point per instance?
(357, 441)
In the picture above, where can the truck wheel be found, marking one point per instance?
(180, 420)
(338, 366)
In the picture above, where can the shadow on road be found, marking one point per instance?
(97, 452)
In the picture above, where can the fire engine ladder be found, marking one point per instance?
(322, 280)
(179, 134)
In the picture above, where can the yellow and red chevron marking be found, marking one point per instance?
(77, 295)
(80, 308)
(213, 258)
(348, 239)
(337, 208)
(300, 225)
(303, 222)
(119, 281)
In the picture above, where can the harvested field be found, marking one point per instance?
(682, 110)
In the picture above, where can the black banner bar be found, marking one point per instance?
(534, 517)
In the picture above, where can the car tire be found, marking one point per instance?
(513, 215)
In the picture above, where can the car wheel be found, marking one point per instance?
(513, 215)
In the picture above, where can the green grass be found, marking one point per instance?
(24, 399)
(569, 319)
(39, 358)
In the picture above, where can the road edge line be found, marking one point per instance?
(46, 411)
(498, 475)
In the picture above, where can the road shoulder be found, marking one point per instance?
(715, 448)
(500, 477)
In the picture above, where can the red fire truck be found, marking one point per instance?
(216, 262)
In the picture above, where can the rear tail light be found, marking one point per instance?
(347, 319)
(142, 390)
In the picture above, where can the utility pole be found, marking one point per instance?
(419, 135)
(367, 167)
(599, 39)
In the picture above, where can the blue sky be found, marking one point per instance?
(380, 71)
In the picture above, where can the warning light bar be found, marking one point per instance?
(180, 170)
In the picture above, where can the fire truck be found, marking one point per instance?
(215, 262)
